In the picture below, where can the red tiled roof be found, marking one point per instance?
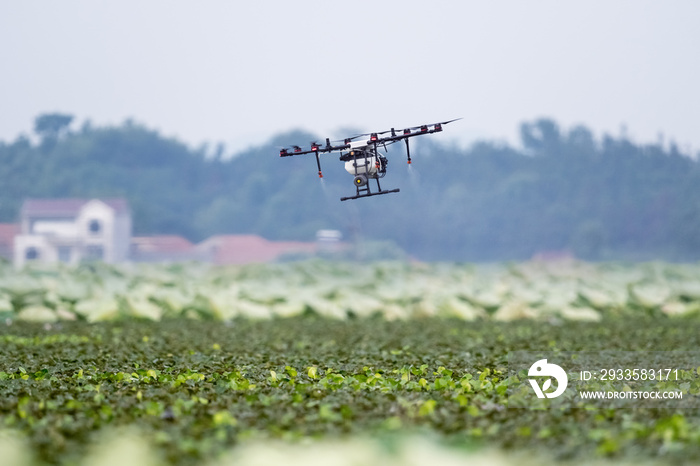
(7, 238)
(244, 249)
(8, 231)
(162, 244)
(67, 206)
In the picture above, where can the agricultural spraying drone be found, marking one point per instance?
(362, 158)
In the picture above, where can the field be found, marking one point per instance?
(337, 363)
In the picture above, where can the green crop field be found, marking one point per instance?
(334, 363)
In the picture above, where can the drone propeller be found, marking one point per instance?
(347, 141)
(392, 131)
(376, 138)
(450, 121)
(436, 127)
(288, 150)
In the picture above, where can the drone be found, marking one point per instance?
(362, 158)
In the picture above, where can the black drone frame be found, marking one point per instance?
(375, 140)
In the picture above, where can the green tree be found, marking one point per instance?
(601, 199)
(542, 137)
(52, 125)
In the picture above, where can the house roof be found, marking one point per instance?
(7, 238)
(8, 232)
(162, 244)
(67, 207)
(244, 249)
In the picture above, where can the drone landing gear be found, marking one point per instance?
(370, 194)
(362, 186)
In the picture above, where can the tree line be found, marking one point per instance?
(564, 190)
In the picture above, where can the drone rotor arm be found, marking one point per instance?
(376, 139)
(405, 133)
(315, 149)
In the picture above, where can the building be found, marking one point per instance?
(245, 249)
(163, 248)
(8, 231)
(330, 241)
(73, 230)
(79, 230)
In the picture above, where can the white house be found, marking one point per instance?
(73, 230)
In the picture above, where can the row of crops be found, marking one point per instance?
(394, 290)
(373, 363)
(194, 392)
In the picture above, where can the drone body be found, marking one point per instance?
(362, 158)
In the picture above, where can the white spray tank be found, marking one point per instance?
(366, 163)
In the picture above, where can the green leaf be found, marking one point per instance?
(312, 372)
(427, 407)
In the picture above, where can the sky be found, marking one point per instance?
(242, 72)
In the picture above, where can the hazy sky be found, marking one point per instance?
(240, 72)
